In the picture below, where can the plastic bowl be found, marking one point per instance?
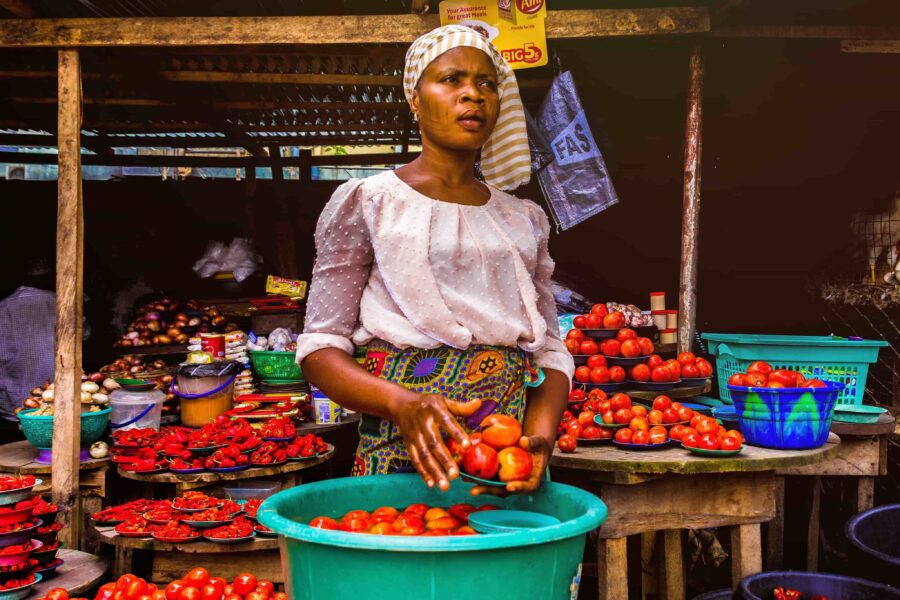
(315, 560)
(16, 496)
(18, 537)
(858, 413)
(785, 418)
(873, 534)
(7, 560)
(836, 587)
(16, 516)
(38, 430)
(20, 592)
(504, 521)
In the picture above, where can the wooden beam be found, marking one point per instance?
(690, 219)
(315, 30)
(871, 46)
(845, 32)
(18, 8)
(281, 78)
(69, 294)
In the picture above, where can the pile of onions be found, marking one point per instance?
(164, 322)
(95, 390)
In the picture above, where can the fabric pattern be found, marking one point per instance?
(396, 265)
(498, 376)
(505, 157)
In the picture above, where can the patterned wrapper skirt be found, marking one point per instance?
(498, 375)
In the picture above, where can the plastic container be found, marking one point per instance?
(835, 587)
(668, 336)
(726, 594)
(136, 410)
(876, 544)
(206, 391)
(537, 564)
(659, 319)
(786, 418)
(672, 319)
(823, 357)
(657, 301)
(20, 592)
(244, 489)
(275, 365)
(858, 413)
(38, 430)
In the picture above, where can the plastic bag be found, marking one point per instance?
(576, 184)
(238, 258)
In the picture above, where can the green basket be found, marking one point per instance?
(38, 430)
(823, 357)
(275, 365)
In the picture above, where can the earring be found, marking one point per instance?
(413, 116)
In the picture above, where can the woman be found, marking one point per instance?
(444, 277)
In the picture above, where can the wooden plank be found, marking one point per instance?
(19, 457)
(812, 529)
(146, 160)
(775, 530)
(690, 199)
(865, 494)
(315, 30)
(18, 8)
(883, 426)
(80, 573)
(847, 32)
(697, 501)
(672, 566)
(649, 564)
(108, 535)
(282, 78)
(857, 457)
(871, 46)
(69, 294)
(168, 566)
(746, 552)
(612, 568)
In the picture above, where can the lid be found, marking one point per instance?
(668, 330)
(214, 369)
(499, 521)
(657, 293)
(671, 311)
(123, 396)
(659, 312)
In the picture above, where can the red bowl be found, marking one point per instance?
(17, 558)
(16, 516)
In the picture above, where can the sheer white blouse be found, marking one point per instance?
(413, 271)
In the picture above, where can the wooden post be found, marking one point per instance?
(69, 292)
(812, 530)
(746, 552)
(775, 530)
(612, 567)
(672, 583)
(690, 220)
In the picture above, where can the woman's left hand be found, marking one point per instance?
(540, 450)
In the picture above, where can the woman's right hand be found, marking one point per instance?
(421, 419)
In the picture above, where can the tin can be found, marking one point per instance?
(672, 319)
(214, 343)
(657, 301)
(668, 336)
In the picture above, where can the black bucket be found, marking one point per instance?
(875, 536)
(834, 587)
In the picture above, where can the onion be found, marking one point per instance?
(194, 322)
(99, 450)
(32, 403)
(172, 331)
(153, 316)
(154, 326)
(90, 387)
(47, 395)
(163, 340)
(96, 377)
(37, 391)
(110, 384)
(85, 396)
(100, 398)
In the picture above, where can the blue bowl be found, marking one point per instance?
(785, 418)
(505, 521)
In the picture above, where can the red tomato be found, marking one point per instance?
(695, 420)
(684, 414)
(173, 590)
(265, 586)
(736, 379)
(279, 596)
(813, 383)
(782, 376)
(799, 378)
(630, 349)
(158, 595)
(755, 380)
(500, 431)
(407, 521)
(321, 523)
(382, 528)
(597, 360)
(640, 372)
(661, 375)
(709, 441)
(576, 395)
(674, 367)
(579, 322)
(593, 321)
(734, 433)
(670, 416)
(211, 592)
(607, 417)
(686, 358)
(233, 597)
(761, 367)
(385, 512)
(57, 594)
(647, 346)
(655, 417)
(124, 581)
(619, 401)
(611, 347)
(575, 334)
(624, 435)
(574, 429)
(228, 589)
(641, 437)
(358, 524)
(614, 320)
(638, 424)
(600, 310)
(136, 589)
(658, 435)
(599, 374)
(690, 438)
(590, 432)
(775, 384)
(254, 595)
(639, 410)
(623, 415)
(605, 433)
(566, 443)
(662, 402)
(582, 374)
(589, 347)
(243, 584)
(572, 346)
(704, 367)
(189, 593)
(730, 443)
(420, 509)
(586, 418)
(707, 425)
(690, 370)
(480, 460)
(617, 374)
(626, 334)
(676, 432)
(197, 577)
(654, 360)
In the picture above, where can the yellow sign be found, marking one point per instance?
(516, 27)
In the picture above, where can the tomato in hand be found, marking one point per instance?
(500, 431)
(481, 460)
(243, 584)
(197, 577)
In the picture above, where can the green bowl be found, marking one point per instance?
(38, 430)
(857, 413)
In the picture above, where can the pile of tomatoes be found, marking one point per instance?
(495, 451)
(414, 520)
(212, 514)
(16, 582)
(279, 427)
(657, 370)
(240, 528)
(192, 500)
(122, 512)
(707, 434)
(762, 374)
(269, 453)
(307, 446)
(227, 458)
(600, 317)
(9, 483)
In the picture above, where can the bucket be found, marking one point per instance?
(875, 535)
(835, 587)
(538, 564)
(785, 418)
(135, 410)
(206, 391)
(715, 595)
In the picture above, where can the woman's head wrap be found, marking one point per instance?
(505, 157)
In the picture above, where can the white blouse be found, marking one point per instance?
(397, 265)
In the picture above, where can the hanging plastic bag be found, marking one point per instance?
(576, 184)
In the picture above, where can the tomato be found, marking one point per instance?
(124, 581)
(106, 591)
(57, 594)
(233, 597)
(640, 372)
(173, 590)
(638, 424)
(197, 577)
(684, 414)
(582, 374)
(614, 320)
(654, 360)
(686, 358)
(611, 347)
(813, 383)
(189, 593)
(589, 347)
(624, 435)
(734, 433)
(661, 375)
(617, 374)
(641, 437)
(623, 415)
(600, 310)
(576, 394)
(574, 428)
(799, 378)
(211, 592)
(321, 523)
(775, 384)
(480, 460)
(591, 432)
(575, 334)
(158, 595)
(603, 406)
(626, 334)
(605, 433)
(279, 596)
(704, 367)
(696, 419)
(730, 443)
(761, 367)
(630, 349)
(639, 410)
(707, 425)
(136, 589)
(782, 376)
(662, 402)
(658, 435)
(608, 417)
(690, 438)
(670, 416)
(579, 322)
(266, 586)
(254, 595)
(646, 345)
(755, 380)
(566, 443)
(593, 321)
(243, 584)
(736, 379)
(674, 367)
(690, 371)
(599, 374)
(500, 431)
(655, 417)
(597, 360)
(516, 464)
(709, 441)
(382, 528)
(572, 346)
(619, 401)
(586, 418)
(676, 431)
(436, 513)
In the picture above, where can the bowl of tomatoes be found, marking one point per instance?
(19, 553)
(239, 530)
(12, 514)
(18, 586)
(15, 489)
(18, 533)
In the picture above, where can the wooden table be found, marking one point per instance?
(670, 490)
(80, 573)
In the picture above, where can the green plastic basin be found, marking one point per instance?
(537, 564)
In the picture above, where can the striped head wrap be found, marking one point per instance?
(505, 157)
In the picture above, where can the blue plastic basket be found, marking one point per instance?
(822, 357)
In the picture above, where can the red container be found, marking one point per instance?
(15, 516)
(214, 343)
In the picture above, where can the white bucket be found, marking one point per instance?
(135, 410)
